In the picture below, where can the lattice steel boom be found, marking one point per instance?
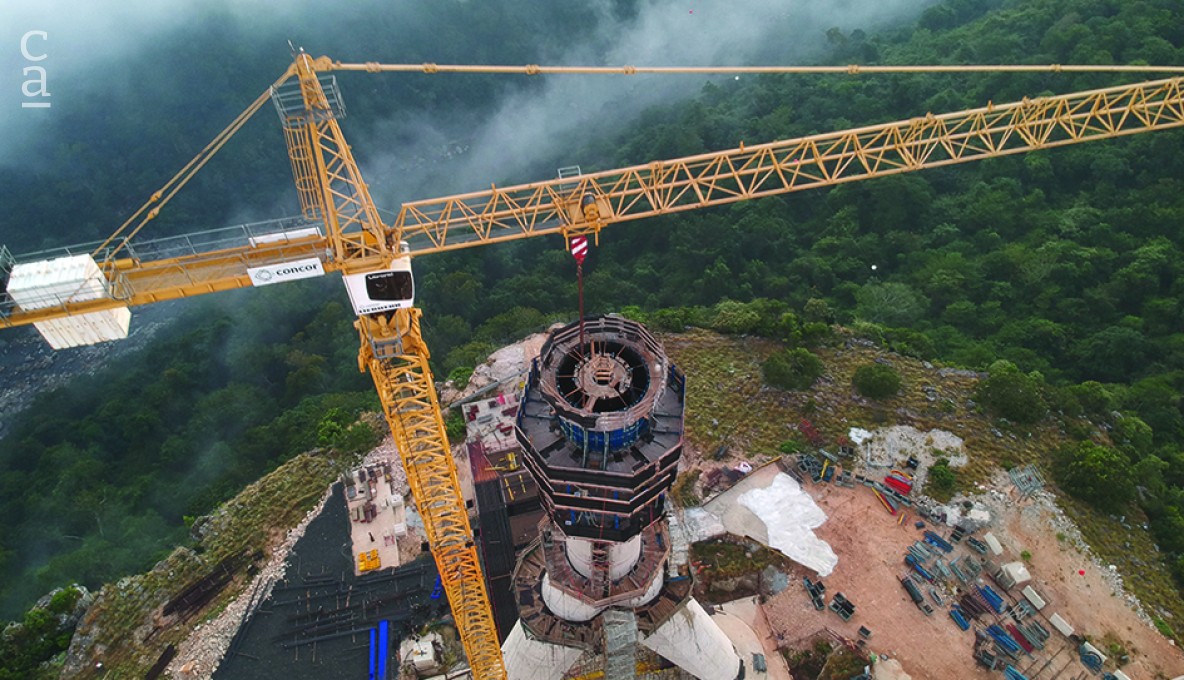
(663, 187)
(393, 350)
(328, 181)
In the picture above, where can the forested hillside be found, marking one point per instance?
(1065, 264)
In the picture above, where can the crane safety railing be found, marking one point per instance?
(194, 259)
(190, 244)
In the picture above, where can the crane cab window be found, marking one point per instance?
(390, 286)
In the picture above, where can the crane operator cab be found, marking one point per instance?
(383, 290)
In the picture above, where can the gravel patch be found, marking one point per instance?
(199, 655)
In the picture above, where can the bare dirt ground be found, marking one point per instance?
(744, 622)
(870, 545)
(1090, 602)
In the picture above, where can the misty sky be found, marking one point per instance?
(97, 42)
(526, 126)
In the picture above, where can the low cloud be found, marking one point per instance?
(534, 123)
(93, 47)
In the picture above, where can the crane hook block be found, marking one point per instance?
(590, 209)
(586, 213)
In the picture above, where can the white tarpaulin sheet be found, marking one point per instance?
(791, 516)
(858, 435)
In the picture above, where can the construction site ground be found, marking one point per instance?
(380, 534)
(745, 624)
(871, 544)
(1090, 600)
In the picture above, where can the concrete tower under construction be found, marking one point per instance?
(601, 430)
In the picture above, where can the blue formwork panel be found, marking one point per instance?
(992, 598)
(938, 542)
(1003, 638)
(613, 440)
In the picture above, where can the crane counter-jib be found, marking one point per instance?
(128, 282)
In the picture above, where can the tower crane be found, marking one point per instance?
(340, 230)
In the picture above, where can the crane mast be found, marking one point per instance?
(392, 349)
(358, 244)
(328, 181)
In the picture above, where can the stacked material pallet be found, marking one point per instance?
(815, 591)
(916, 565)
(992, 598)
(899, 481)
(889, 505)
(939, 542)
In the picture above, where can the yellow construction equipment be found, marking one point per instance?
(369, 561)
(375, 257)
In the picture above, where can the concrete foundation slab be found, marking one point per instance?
(530, 659)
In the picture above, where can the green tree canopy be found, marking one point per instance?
(942, 481)
(1115, 354)
(1011, 394)
(1098, 475)
(876, 381)
(792, 369)
(890, 304)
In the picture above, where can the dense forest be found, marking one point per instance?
(1059, 271)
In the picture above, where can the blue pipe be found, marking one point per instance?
(916, 565)
(938, 541)
(384, 641)
(373, 652)
(992, 598)
(1003, 638)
